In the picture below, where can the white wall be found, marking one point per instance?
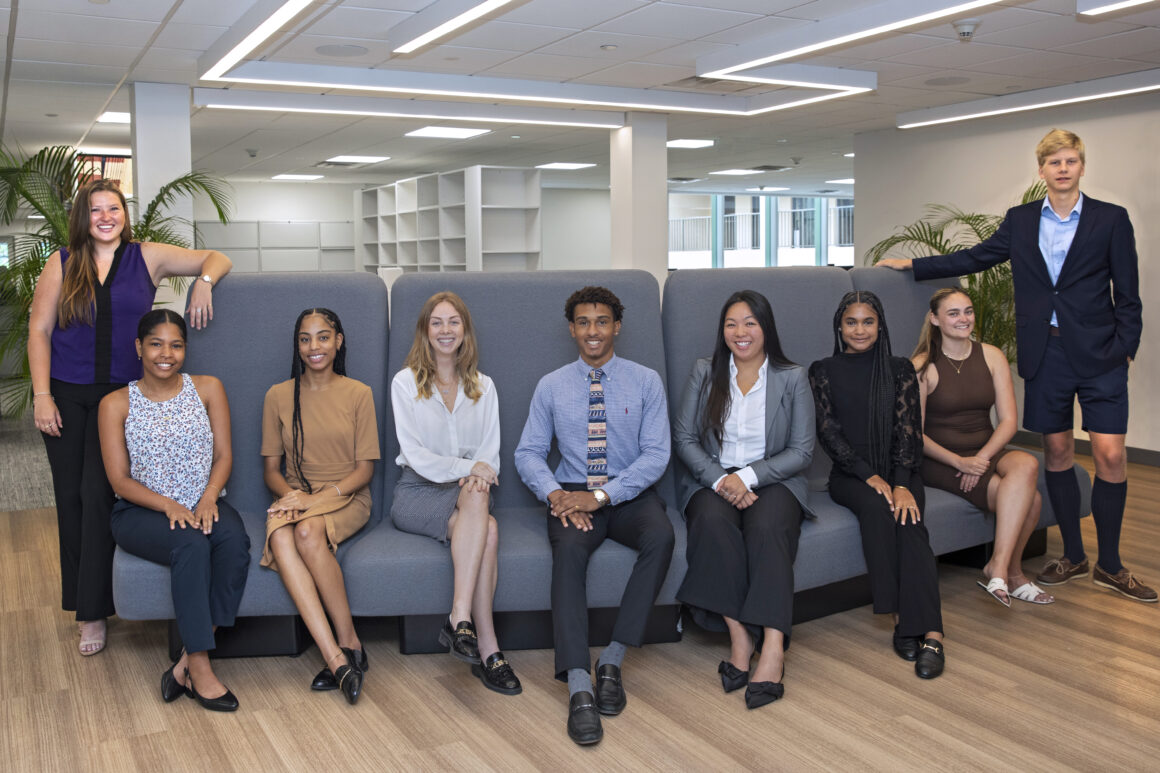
(274, 201)
(576, 228)
(985, 165)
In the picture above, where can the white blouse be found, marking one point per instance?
(743, 433)
(443, 445)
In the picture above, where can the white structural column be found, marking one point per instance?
(161, 151)
(161, 141)
(640, 195)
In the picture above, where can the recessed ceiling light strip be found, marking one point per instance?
(1037, 99)
(341, 104)
(439, 20)
(266, 17)
(1096, 7)
(886, 17)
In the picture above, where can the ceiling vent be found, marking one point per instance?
(714, 85)
(336, 165)
(770, 168)
(826, 190)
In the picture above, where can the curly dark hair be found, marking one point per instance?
(593, 294)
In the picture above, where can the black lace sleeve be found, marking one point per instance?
(829, 430)
(906, 436)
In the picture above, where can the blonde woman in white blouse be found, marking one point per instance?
(447, 420)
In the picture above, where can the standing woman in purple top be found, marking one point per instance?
(81, 333)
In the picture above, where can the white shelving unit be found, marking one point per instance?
(256, 246)
(483, 218)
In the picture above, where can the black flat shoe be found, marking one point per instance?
(931, 660)
(610, 697)
(584, 720)
(732, 677)
(758, 694)
(461, 641)
(324, 681)
(171, 689)
(226, 702)
(359, 662)
(496, 674)
(350, 681)
(906, 646)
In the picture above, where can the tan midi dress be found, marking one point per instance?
(338, 429)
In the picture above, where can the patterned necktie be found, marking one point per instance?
(597, 433)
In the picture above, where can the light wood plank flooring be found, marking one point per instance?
(1071, 686)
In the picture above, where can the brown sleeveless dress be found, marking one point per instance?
(958, 418)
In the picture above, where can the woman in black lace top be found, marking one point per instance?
(870, 424)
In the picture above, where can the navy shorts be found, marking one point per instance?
(1049, 398)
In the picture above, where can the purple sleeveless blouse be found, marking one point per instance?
(104, 352)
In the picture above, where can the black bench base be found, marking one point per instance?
(979, 555)
(533, 630)
(252, 637)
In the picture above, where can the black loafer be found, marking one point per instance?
(732, 677)
(584, 720)
(324, 681)
(461, 642)
(610, 697)
(350, 681)
(906, 646)
(359, 662)
(496, 674)
(931, 660)
(758, 694)
(226, 702)
(171, 689)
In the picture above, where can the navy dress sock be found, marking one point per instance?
(1108, 512)
(1063, 491)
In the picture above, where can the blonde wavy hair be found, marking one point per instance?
(421, 358)
(929, 347)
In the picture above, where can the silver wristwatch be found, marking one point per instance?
(207, 279)
(601, 498)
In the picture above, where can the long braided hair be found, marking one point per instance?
(296, 368)
(881, 390)
(717, 401)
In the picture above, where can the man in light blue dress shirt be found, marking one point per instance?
(610, 421)
(1078, 325)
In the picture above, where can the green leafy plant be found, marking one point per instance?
(44, 184)
(944, 229)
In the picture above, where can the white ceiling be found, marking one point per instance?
(65, 61)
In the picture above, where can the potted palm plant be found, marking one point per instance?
(944, 229)
(44, 185)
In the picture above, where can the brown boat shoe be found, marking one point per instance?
(1124, 582)
(1057, 571)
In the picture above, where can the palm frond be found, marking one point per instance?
(193, 183)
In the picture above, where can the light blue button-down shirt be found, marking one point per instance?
(1055, 237)
(637, 429)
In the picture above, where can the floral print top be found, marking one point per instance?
(170, 443)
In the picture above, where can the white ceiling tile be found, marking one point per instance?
(580, 14)
(677, 21)
(889, 72)
(1040, 64)
(168, 58)
(683, 53)
(1148, 16)
(194, 37)
(822, 9)
(747, 6)
(755, 30)
(976, 83)
(68, 28)
(889, 46)
(991, 19)
(955, 54)
(588, 43)
(224, 13)
(53, 72)
(410, 6)
(509, 36)
(369, 23)
(1098, 68)
(457, 60)
(31, 50)
(142, 11)
(638, 75)
(301, 49)
(1125, 45)
(1051, 33)
(548, 67)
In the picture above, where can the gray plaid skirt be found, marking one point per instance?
(422, 507)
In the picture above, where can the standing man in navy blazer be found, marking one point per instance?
(1078, 324)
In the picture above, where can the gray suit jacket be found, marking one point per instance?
(789, 434)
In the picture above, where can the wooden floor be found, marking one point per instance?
(1071, 686)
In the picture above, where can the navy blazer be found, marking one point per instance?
(789, 434)
(1096, 299)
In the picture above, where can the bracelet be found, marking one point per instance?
(336, 488)
(904, 488)
(210, 485)
(40, 394)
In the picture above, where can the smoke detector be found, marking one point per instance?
(966, 28)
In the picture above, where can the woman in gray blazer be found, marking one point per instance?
(745, 434)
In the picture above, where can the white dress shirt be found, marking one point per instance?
(743, 433)
(439, 444)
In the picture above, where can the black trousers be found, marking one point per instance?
(208, 572)
(902, 567)
(83, 501)
(741, 561)
(640, 524)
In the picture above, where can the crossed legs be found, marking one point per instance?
(1013, 497)
(314, 580)
(474, 543)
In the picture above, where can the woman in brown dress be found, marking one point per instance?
(320, 442)
(960, 380)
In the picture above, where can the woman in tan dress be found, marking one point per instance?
(960, 380)
(320, 442)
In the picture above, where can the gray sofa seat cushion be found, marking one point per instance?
(388, 560)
